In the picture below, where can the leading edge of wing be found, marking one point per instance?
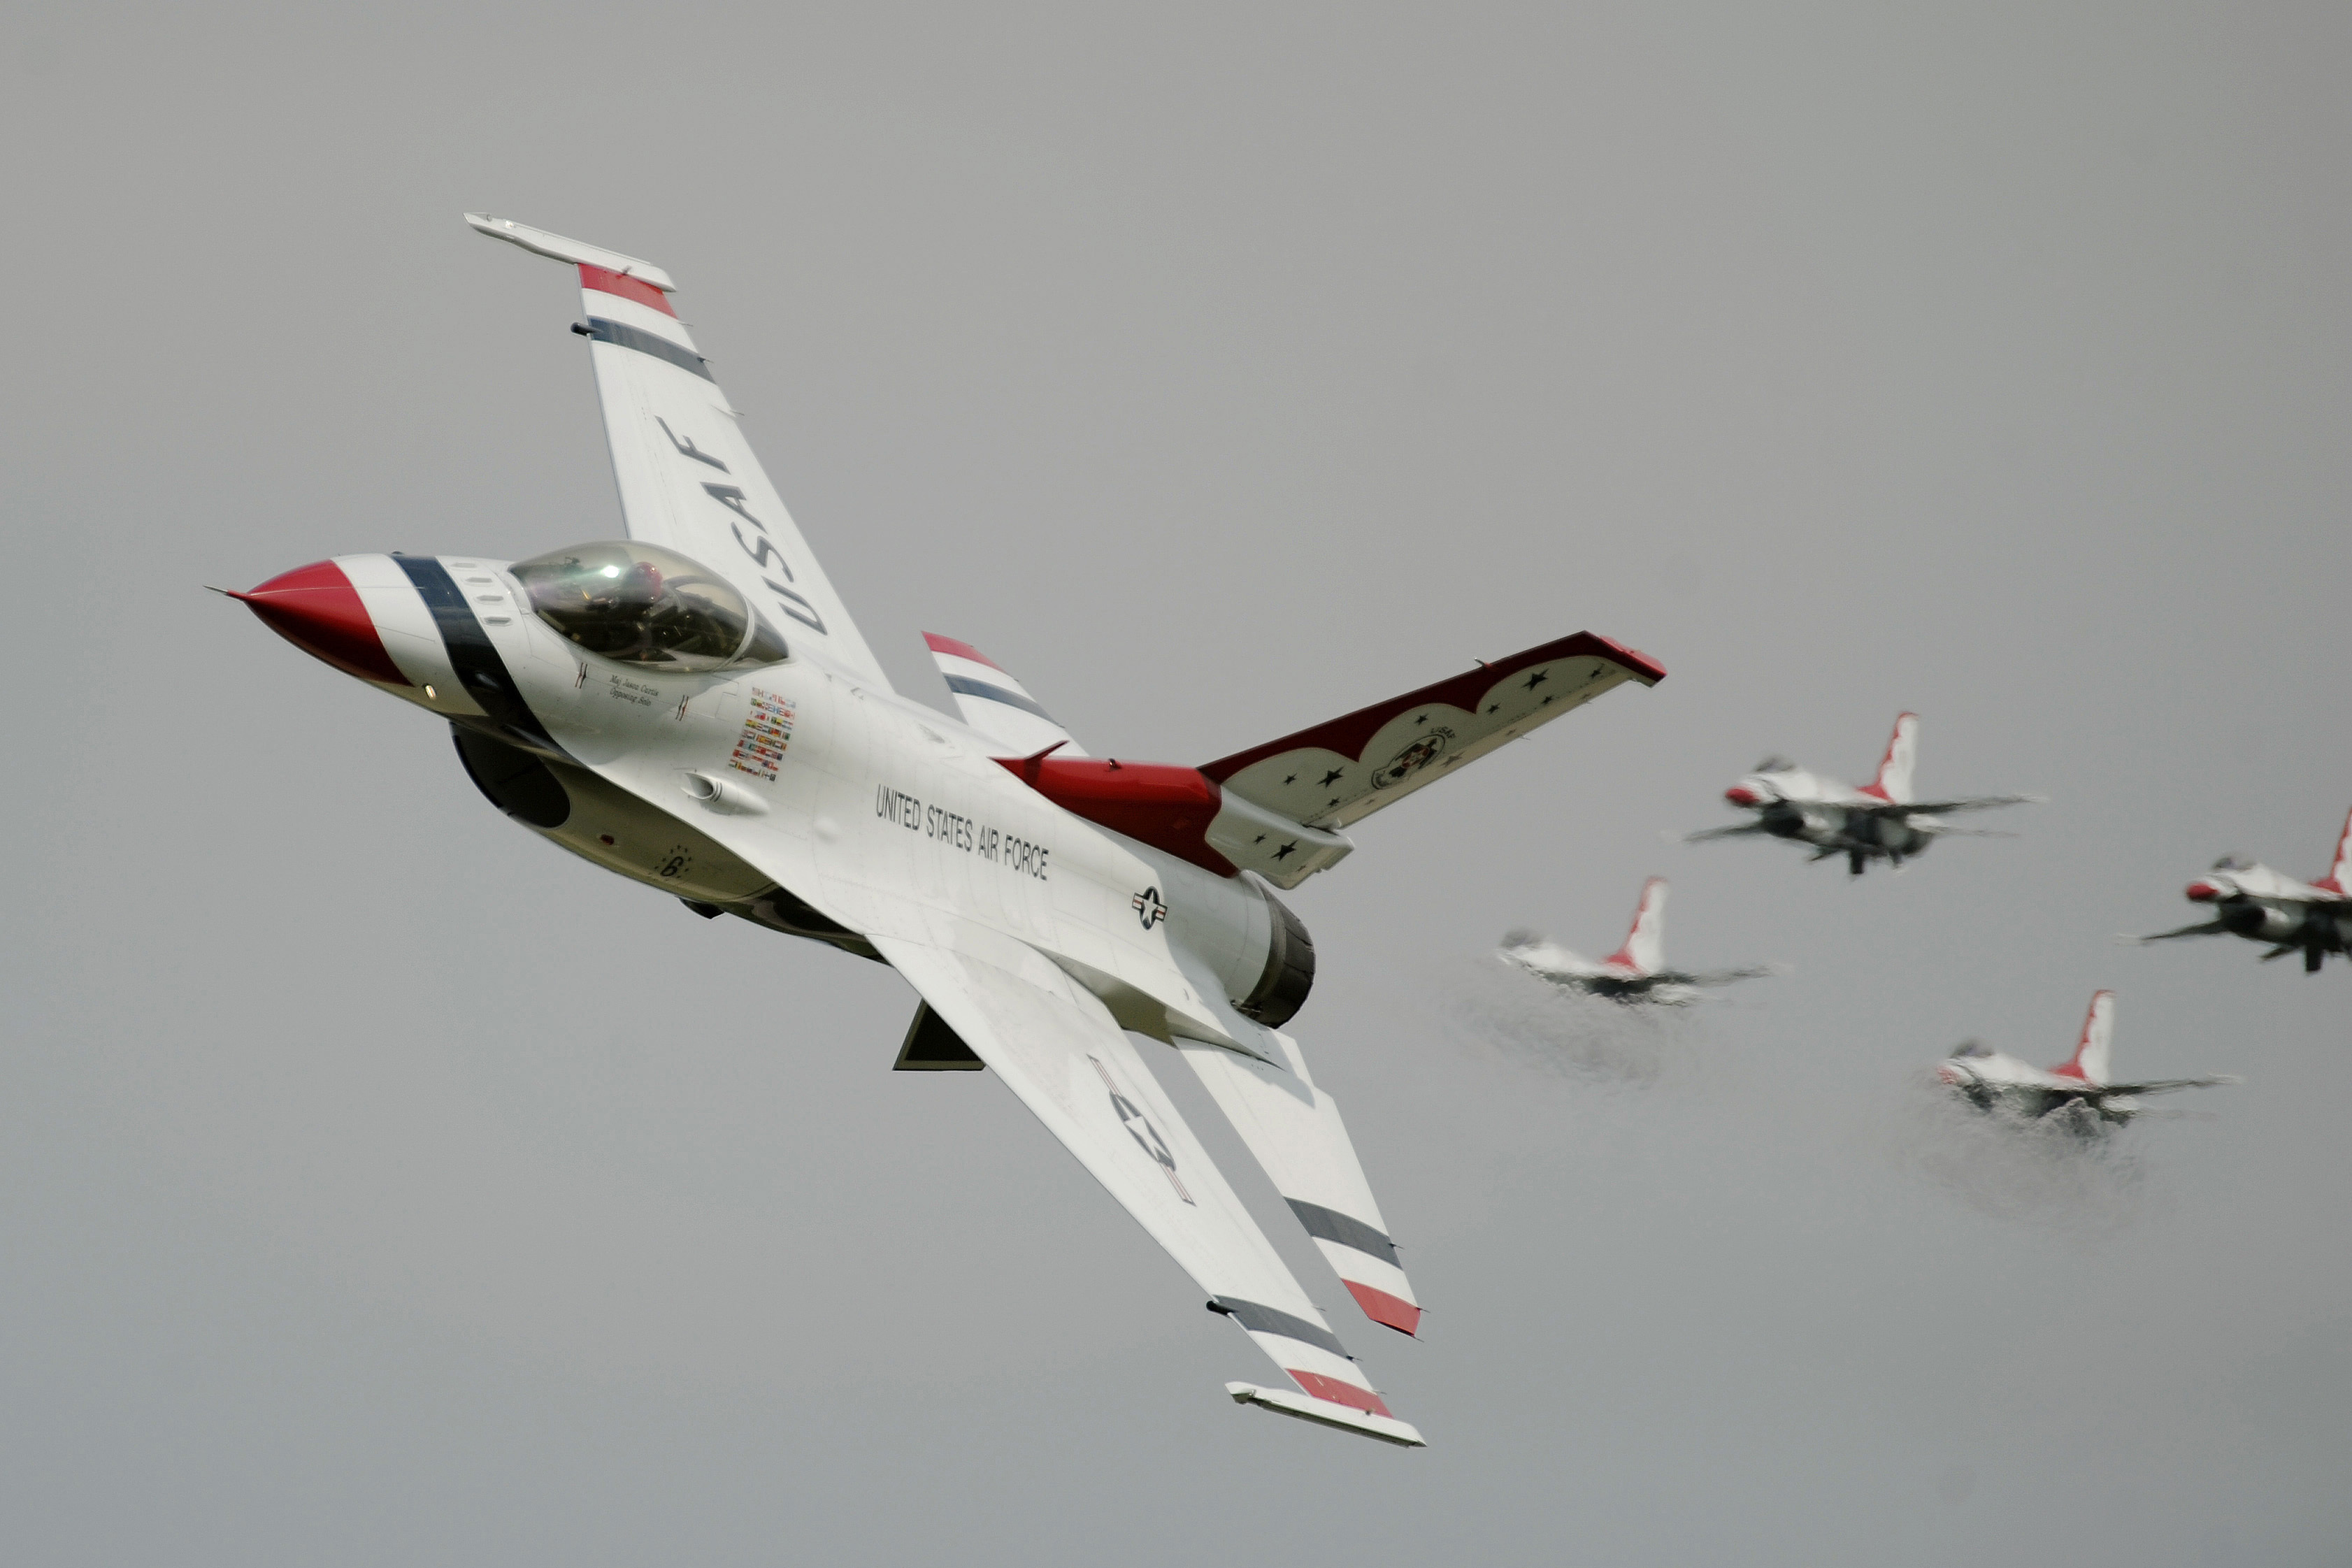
(1059, 1050)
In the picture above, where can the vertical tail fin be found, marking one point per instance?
(1893, 781)
(2090, 1061)
(2341, 870)
(1645, 943)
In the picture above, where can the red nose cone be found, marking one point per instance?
(316, 609)
(2203, 891)
(1740, 795)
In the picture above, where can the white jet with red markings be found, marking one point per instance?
(2252, 901)
(1881, 820)
(1637, 972)
(692, 707)
(2078, 1090)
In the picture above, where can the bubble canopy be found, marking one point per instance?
(648, 606)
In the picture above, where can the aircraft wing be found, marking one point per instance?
(2165, 1085)
(1058, 1049)
(1738, 830)
(1717, 976)
(1972, 803)
(2206, 928)
(1345, 769)
(688, 476)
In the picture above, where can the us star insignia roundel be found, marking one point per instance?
(1138, 1127)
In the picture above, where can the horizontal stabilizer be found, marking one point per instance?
(1388, 1429)
(1342, 771)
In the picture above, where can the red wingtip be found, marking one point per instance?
(1339, 1393)
(953, 649)
(1388, 1311)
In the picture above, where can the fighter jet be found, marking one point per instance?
(2313, 918)
(1879, 819)
(1634, 973)
(2077, 1088)
(692, 707)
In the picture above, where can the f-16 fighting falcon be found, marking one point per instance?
(1879, 819)
(692, 708)
(2077, 1088)
(1634, 973)
(2313, 918)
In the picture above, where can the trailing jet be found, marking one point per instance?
(692, 708)
(2077, 1088)
(1879, 819)
(2313, 918)
(1634, 973)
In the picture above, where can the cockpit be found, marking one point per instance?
(643, 605)
(1774, 765)
(2233, 862)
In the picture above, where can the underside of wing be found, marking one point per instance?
(1058, 1049)
(1970, 803)
(1295, 1131)
(1343, 770)
(2204, 928)
(688, 479)
(1717, 976)
(2165, 1085)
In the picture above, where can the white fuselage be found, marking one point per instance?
(1794, 803)
(861, 809)
(1995, 1081)
(1611, 977)
(2269, 906)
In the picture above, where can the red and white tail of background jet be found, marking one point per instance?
(1637, 972)
(2081, 1088)
(1881, 820)
(2252, 901)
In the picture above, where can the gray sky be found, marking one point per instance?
(378, 1184)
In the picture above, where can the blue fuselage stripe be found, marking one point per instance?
(479, 669)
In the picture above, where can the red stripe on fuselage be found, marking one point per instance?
(1388, 1311)
(606, 281)
(1339, 1393)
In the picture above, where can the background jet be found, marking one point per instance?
(2253, 901)
(2078, 1087)
(1879, 819)
(1634, 973)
